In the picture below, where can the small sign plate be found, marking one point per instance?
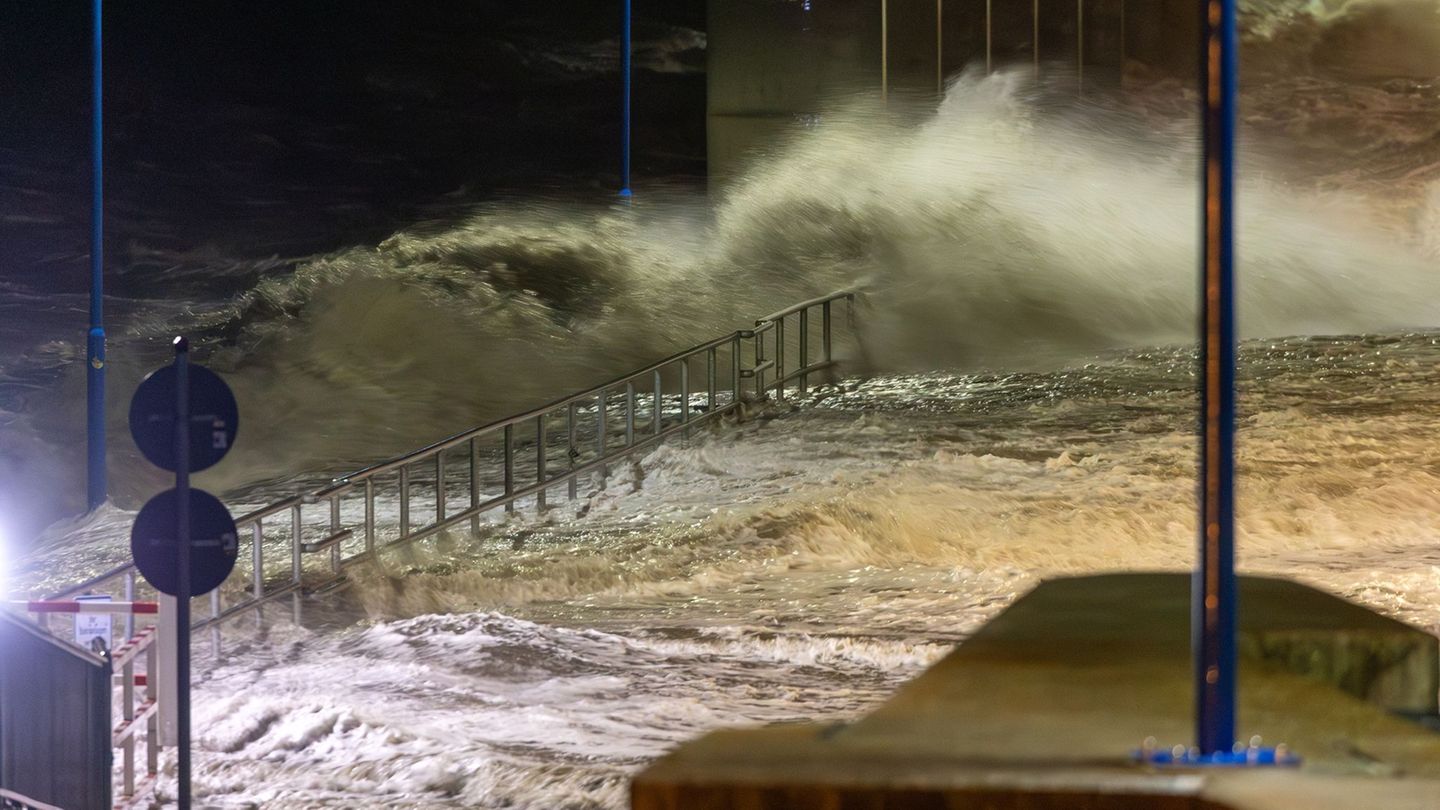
(92, 626)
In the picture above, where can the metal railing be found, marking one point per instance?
(522, 457)
(133, 715)
(10, 800)
(770, 330)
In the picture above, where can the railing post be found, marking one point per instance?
(439, 487)
(989, 37)
(257, 559)
(656, 411)
(685, 393)
(295, 540)
(152, 694)
(127, 713)
(540, 462)
(780, 358)
(759, 340)
(335, 551)
(600, 433)
(129, 597)
(939, 47)
(508, 437)
(570, 452)
(804, 350)
(710, 363)
(214, 625)
(370, 516)
(826, 347)
(629, 413)
(735, 384)
(1035, 35)
(474, 484)
(404, 501)
(1122, 44)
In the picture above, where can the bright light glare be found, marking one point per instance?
(4, 563)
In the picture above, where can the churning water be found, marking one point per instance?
(1026, 413)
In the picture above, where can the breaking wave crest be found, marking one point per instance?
(1384, 38)
(1005, 229)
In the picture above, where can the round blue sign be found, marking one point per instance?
(213, 543)
(214, 418)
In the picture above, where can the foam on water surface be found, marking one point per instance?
(855, 542)
(802, 565)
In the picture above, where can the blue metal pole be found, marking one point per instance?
(95, 340)
(625, 80)
(1213, 593)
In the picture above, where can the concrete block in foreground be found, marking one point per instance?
(1042, 707)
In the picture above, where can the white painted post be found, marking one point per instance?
(164, 685)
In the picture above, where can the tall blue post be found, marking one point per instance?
(1213, 593)
(95, 340)
(625, 80)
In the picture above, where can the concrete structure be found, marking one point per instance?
(1044, 706)
(777, 64)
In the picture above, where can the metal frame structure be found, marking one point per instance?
(990, 42)
(596, 428)
(540, 450)
(134, 715)
(10, 800)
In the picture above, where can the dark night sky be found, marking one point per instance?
(291, 127)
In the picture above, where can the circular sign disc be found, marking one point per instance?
(213, 543)
(214, 418)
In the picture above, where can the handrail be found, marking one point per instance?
(601, 437)
(848, 295)
(464, 436)
(10, 797)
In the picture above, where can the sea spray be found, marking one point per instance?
(1011, 228)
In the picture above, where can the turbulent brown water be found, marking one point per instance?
(1026, 410)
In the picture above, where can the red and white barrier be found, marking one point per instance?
(77, 606)
(154, 711)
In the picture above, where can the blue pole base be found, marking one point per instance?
(1253, 755)
(95, 478)
(626, 193)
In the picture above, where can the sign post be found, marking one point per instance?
(182, 564)
(184, 542)
(1213, 594)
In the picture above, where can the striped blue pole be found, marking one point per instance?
(625, 80)
(1213, 593)
(95, 340)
